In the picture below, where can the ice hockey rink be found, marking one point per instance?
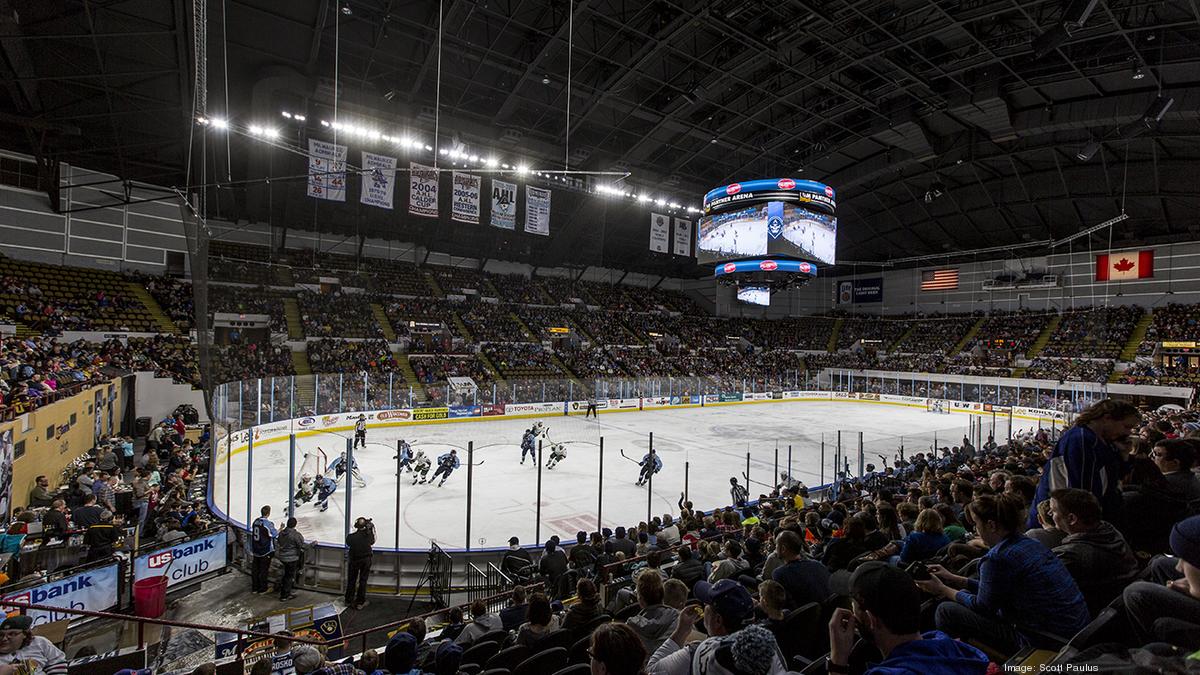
(815, 237)
(712, 441)
(738, 237)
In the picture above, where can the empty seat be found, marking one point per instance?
(547, 661)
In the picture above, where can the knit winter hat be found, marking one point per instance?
(400, 653)
(753, 650)
(1185, 540)
(306, 659)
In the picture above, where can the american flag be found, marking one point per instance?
(939, 280)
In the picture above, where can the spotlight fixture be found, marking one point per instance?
(391, 94)
(936, 190)
(1138, 72)
(1088, 151)
(346, 9)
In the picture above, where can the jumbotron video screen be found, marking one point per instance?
(782, 217)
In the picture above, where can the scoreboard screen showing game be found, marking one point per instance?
(754, 295)
(773, 228)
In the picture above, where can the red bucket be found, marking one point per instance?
(150, 597)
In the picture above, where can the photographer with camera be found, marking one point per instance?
(358, 553)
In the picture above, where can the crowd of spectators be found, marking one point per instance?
(350, 356)
(1069, 370)
(244, 300)
(590, 362)
(490, 322)
(435, 368)
(1094, 332)
(173, 296)
(250, 361)
(338, 315)
(522, 360)
(519, 289)
(1170, 372)
(1175, 322)
(1014, 331)
(37, 370)
(95, 309)
(935, 335)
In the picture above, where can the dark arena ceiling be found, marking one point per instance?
(984, 105)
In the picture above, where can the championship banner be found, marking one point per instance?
(186, 560)
(683, 237)
(378, 180)
(504, 204)
(537, 210)
(422, 190)
(326, 170)
(660, 227)
(95, 590)
(464, 192)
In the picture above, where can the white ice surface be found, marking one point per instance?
(713, 441)
(737, 238)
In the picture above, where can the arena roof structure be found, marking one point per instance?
(945, 126)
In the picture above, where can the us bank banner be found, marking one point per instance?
(184, 561)
(95, 590)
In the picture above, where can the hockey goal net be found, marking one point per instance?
(315, 463)
(937, 407)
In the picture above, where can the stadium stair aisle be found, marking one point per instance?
(23, 331)
(492, 291)
(434, 286)
(1129, 353)
(291, 312)
(385, 324)
(410, 376)
(461, 327)
(487, 363)
(962, 344)
(833, 336)
(1042, 340)
(563, 367)
(164, 322)
(306, 389)
(525, 328)
(903, 336)
(545, 293)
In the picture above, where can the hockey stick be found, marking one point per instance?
(758, 482)
(629, 458)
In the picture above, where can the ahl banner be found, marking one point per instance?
(464, 192)
(326, 170)
(378, 180)
(504, 204)
(660, 228)
(537, 211)
(423, 190)
(683, 237)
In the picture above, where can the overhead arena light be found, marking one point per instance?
(1148, 120)
(1075, 14)
(1088, 151)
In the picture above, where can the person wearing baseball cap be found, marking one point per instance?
(1151, 606)
(886, 609)
(30, 653)
(732, 648)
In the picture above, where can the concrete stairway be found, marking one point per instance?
(410, 376)
(284, 277)
(385, 324)
(487, 363)
(563, 367)
(1129, 353)
(461, 327)
(524, 328)
(291, 313)
(23, 330)
(434, 286)
(306, 388)
(1044, 337)
(903, 336)
(969, 337)
(165, 324)
(833, 336)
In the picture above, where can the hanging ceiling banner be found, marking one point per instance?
(504, 204)
(464, 206)
(660, 231)
(378, 180)
(422, 190)
(537, 210)
(326, 170)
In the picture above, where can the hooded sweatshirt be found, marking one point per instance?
(934, 654)
(1098, 560)
(654, 625)
(479, 626)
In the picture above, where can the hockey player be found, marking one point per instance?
(360, 432)
(540, 430)
(529, 445)
(339, 465)
(738, 493)
(420, 467)
(786, 482)
(446, 464)
(326, 486)
(558, 452)
(306, 489)
(405, 456)
(651, 464)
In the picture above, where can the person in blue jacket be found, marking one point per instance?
(886, 609)
(1089, 456)
(446, 464)
(651, 464)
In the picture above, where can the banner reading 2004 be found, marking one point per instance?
(423, 190)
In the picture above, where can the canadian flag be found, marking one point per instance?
(1125, 265)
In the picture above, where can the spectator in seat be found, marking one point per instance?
(481, 624)
(926, 539)
(1093, 551)
(100, 538)
(615, 649)
(22, 651)
(40, 494)
(1150, 508)
(623, 544)
(516, 561)
(1089, 456)
(553, 566)
(513, 616)
(849, 546)
(689, 570)
(1175, 458)
(1022, 587)
(1151, 606)
(1046, 533)
(654, 623)
(54, 520)
(727, 608)
(87, 515)
(539, 621)
(669, 534)
(731, 564)
(886, 609)
(803, 579)
(586, 609)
